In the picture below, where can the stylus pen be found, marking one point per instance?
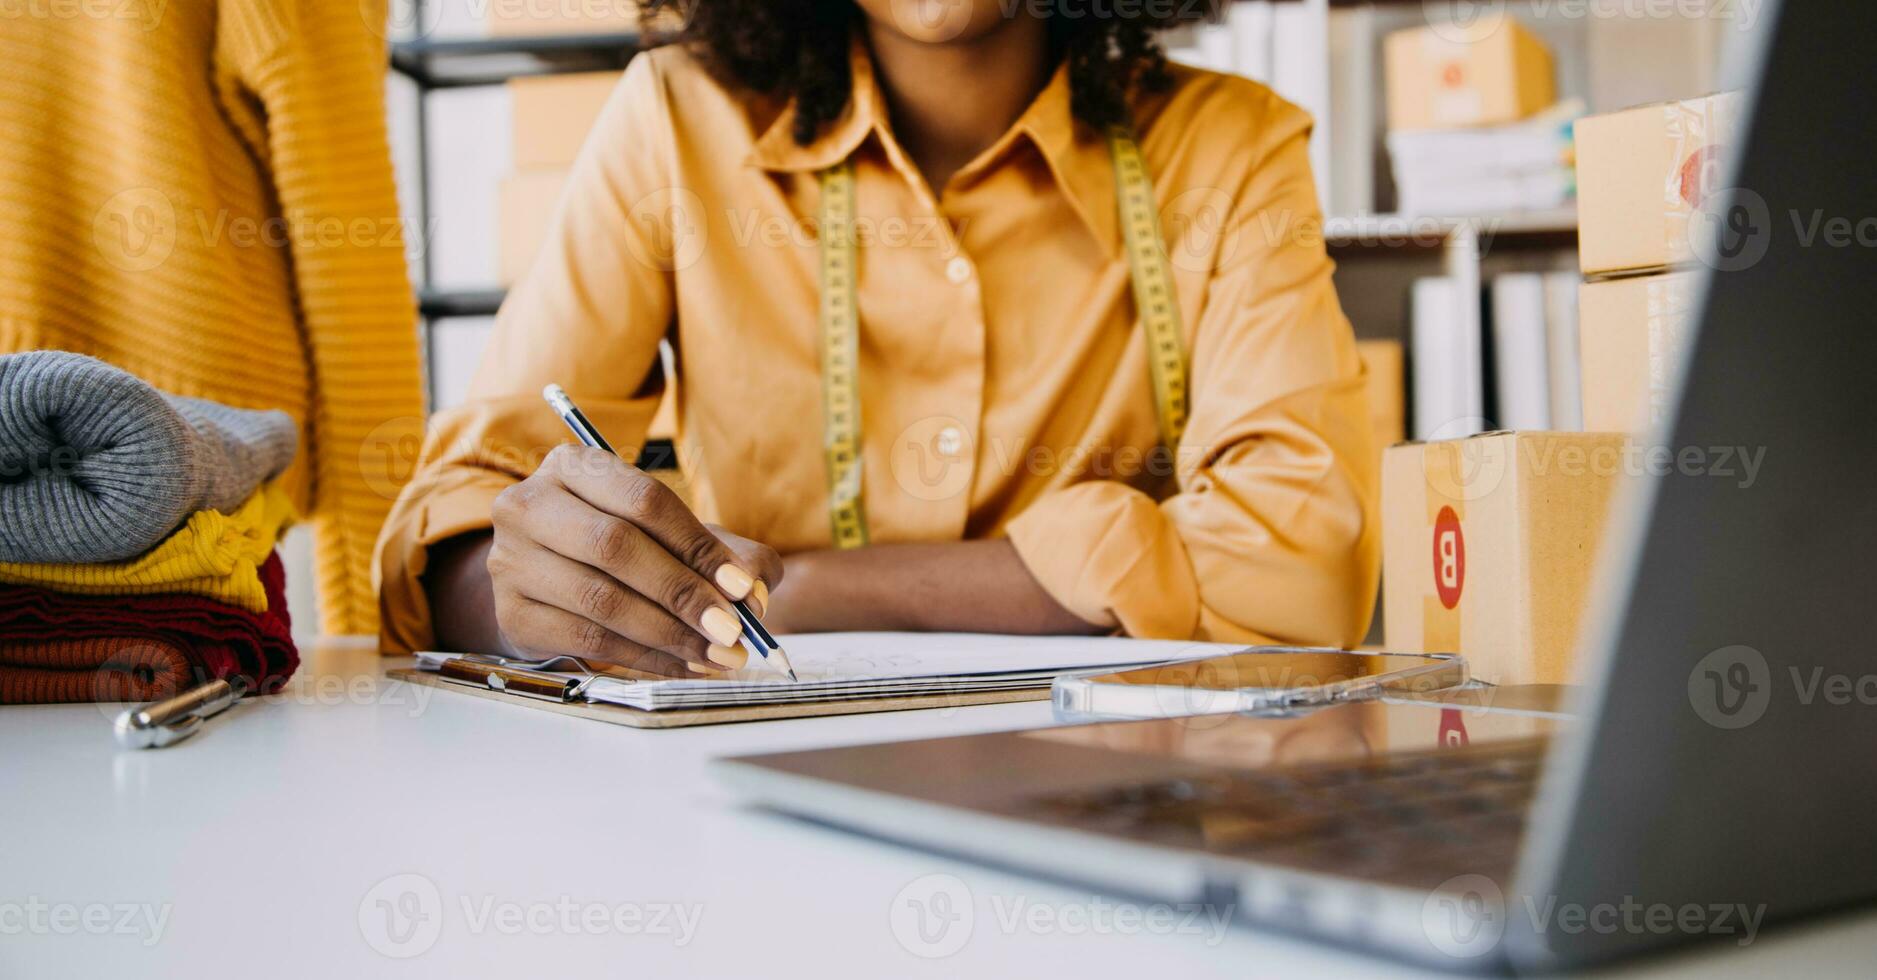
(754, 635)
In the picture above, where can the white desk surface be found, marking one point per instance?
(264, 846)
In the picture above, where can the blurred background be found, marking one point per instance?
(1443, 152)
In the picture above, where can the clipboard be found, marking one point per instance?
(533, 689)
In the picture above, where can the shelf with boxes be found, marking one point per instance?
(523, 49)
(1490, 542)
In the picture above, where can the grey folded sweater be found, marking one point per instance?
(98, 466)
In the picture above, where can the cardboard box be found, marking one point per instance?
(522, 18)
(1387, 389)
(1489, 544)
(552, 115)
(1630, 335)
(1641, 173)
(528, 202)
(1444, 79)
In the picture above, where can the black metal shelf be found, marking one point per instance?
(440, 304)
(469, 62)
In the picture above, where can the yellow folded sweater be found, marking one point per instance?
(215, 555)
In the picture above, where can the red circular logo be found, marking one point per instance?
(1449, 557)
(1453, 75)
(1699, 174)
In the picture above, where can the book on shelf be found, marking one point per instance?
(1445, 368)
(1517, 369)
(1521, 372)
(1563, 359)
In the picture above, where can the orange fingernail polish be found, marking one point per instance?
(731, 658)
(734, 581)
(721, 624)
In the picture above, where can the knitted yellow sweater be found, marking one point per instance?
(201, 193)
(215, 555)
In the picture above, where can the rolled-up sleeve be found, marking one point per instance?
(588, 316)
(1272, 534)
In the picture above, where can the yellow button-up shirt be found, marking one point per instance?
(1004, 384)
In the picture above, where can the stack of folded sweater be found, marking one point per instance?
(137, 535)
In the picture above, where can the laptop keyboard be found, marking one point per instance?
(1410, 818)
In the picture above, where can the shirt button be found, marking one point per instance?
(958, 270)
(951, 439)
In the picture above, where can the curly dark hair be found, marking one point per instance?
(798, 48)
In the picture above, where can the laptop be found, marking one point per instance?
(1714, 774)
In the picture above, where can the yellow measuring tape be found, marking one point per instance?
(1154, 298)
(840, 356)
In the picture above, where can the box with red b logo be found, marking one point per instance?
(1489, 546)
(1644, 181)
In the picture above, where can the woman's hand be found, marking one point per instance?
(596, 559)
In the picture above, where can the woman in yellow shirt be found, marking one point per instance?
(1010, 404)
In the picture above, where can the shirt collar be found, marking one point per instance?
(1077, 156)
(776, 149)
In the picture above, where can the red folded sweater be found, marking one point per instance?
(56, 647)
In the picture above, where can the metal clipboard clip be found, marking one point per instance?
(524, 678)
